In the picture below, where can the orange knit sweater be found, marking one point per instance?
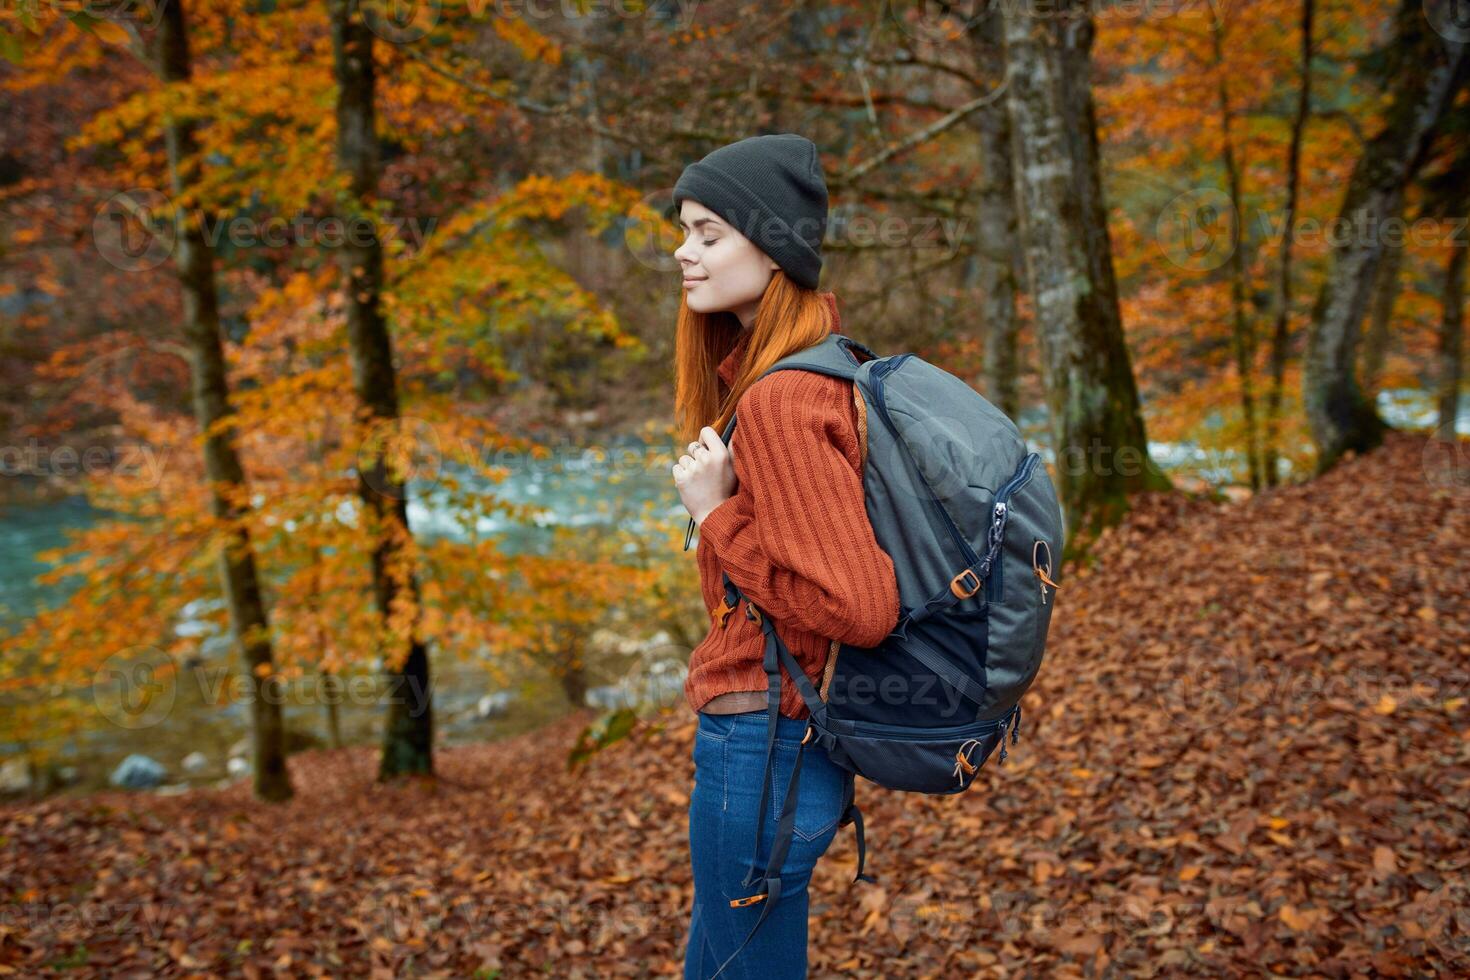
(795, 537)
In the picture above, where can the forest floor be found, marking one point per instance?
(1247, 752)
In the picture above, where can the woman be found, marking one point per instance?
(780, 510)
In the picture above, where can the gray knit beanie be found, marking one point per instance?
(770, 188)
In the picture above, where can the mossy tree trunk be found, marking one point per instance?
(1426, 69)
(409, 734)
(1097, 427)
(209, 387)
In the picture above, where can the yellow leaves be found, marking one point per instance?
(1190, 873)
(532, 45)
(1301, 920)
(1386, 705)
(108, 32)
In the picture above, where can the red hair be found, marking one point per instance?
(790, 318)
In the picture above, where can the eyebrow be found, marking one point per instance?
(698, 222)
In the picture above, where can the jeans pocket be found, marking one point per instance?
(717, 727)
(818, 796)
(712, 765)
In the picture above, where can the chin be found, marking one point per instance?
(700, 305)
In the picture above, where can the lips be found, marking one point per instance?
(691, 282)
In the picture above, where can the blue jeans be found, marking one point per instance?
(729, 761)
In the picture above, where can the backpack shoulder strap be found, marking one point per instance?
(833, 355)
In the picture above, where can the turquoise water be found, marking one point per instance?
(575, 487)
(572, 487)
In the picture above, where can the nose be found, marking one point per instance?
(684, 255)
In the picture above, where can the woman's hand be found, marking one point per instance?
(704, 475)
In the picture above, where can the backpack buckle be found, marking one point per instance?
(959, 590)
(807, 737)
(753, 614)
(724, 610)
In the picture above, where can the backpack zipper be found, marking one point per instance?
(995, 584)
(877, 377)
(1011, 719)
(929, 734)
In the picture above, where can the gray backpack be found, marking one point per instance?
(972, 523)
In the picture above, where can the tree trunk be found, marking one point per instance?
(1452, 331)
(1380, 323)
(209, 387)
(1097, 428)
(332, 690)
(1243, 331)
(408, 738)
(573, 675)
(1281, 332)
(1340, 418)
(989, 272)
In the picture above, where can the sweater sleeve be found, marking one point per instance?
(796, 537)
